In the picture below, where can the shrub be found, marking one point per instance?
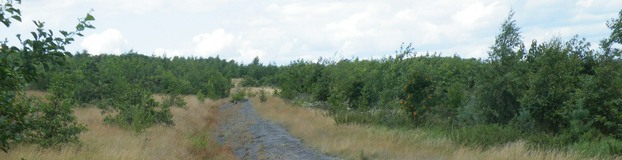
(250, 82)
(418, 95)
(200, 96)
(52, 123)
(239, 96)
(136, 109)
(262, 95)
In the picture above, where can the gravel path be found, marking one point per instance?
(251, 137)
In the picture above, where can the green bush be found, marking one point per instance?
(200, 96)
(239, 96)
(263, 97)
(136, 109)
(418, 98)
(250, 82)
(52, 123)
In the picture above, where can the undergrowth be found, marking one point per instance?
(478, 136)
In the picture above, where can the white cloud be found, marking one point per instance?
(542, 3)
(473, 14)
(209, 44)
(308, 7)
(348, 28)
(247, 54)
(282, 31)
(584, 3)
(110, 41)
(123, 7)
(197, 5)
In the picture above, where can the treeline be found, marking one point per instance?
(180, 75)
(554, 93)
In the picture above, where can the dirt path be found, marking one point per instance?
(251, 137)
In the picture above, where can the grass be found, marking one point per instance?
(354, 141)
(188, 139)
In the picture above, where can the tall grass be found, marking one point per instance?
(359, 141)
(188, 139)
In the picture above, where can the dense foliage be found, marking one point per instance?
(26, 119)
(123, 85)
(563, 89)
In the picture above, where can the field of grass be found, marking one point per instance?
(190, 138)
(352, 141)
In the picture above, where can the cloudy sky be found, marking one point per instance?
(280, 31)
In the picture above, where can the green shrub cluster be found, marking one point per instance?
(211, 76)
(238, 96)
(560, 89)
(256, 74)
(263, 96)
(124, 85)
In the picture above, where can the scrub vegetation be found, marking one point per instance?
(553, 99)
(554, 95)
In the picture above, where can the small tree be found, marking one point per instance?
(263, 97)
(418, 92)
(53, 122)
(135, 107)
(238, 96)
(501, 80)
(20, 65)
(200, 96)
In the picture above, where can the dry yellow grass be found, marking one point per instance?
(360, 141)
(256, 90)
(237, 82)
(108, 142)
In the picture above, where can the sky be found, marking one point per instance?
(281, 31)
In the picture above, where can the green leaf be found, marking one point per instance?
(89, 17)
(39, 24)
(80, 27)
(10, 9)
(17, 17)
(64, 33)
(6, 22)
